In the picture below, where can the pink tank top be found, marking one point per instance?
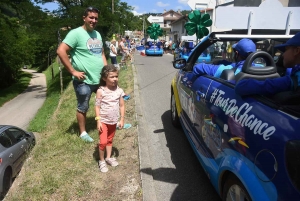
(110, 105)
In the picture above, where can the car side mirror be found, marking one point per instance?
(179, 63)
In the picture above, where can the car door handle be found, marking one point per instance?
(199, 95)
(10, 155)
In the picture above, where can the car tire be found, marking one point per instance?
(7, 181)
(174, 114)
(32, 144)
(231, 185)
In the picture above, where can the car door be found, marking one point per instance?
(192, 90)
(212, 126)
(10, 154)
(20, 146)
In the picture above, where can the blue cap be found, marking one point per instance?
(294, 41)
(245, 46)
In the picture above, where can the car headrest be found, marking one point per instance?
(256, 72)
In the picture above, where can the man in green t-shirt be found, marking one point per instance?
(85, 46)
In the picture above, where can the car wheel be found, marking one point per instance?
(32, 144)
(234, 190)
(7, 181)
(174, 114)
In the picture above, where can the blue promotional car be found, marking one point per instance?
(248, 146)
(154, 48)
(185, 51)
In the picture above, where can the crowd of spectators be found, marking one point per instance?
(124, 47)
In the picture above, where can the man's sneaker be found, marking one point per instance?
(112, 162)
(85, 137)
(102, 166)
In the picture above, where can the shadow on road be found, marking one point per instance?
(193, 183)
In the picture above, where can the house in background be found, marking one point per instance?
(169, 17)
(178, 29)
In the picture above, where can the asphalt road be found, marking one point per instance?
(169, 167)
(22, 109)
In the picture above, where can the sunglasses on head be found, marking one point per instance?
(90, 9)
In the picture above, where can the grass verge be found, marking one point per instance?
(63, 167)
(41, 120)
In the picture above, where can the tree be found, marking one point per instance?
(16, 46)
(185, 12)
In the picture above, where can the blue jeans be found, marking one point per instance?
(113, 60)
(83, 94)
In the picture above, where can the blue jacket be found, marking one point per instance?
(216, 70)
(268, 86)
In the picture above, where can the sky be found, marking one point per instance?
(142, 7)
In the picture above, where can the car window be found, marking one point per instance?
(16, 134)
(5, 140)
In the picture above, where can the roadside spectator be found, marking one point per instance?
(229, 51)
(109, 101)
(113, 53)
(223, 49)
(123, 50)
(291, 59)
(170, 46)
(127, 43)
(173, 47)
(163, 44)
(217, 50)
(119, 49)
(242, 49)
(211, 50)
(166, 47)
(87, 55)
(133, 45)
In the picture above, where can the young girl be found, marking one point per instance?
(108, 103)
(113, 53)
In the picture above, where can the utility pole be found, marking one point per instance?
(59, 63)
(144, 26)
(113, 11)
(58, 60)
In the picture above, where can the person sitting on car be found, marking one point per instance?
(291, 59)
(241, 49)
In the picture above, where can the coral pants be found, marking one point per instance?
(107, 135)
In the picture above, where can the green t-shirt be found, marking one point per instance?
(86, 53)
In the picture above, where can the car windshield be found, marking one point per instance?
(222, 50)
